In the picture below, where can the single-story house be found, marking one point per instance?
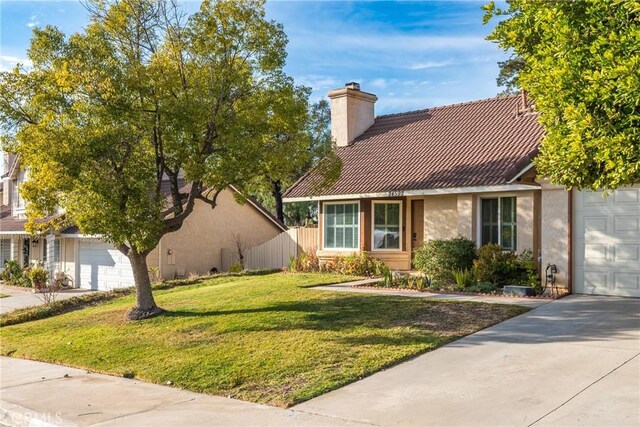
(466, 169)
(94, 264)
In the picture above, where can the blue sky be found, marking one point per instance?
(411, 54)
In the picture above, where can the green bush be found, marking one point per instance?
(355, 265)
(38, 276)
(482, 288)
(463, 278)
(12, 274)
(235, 268)
(502, 268)
(437, 258)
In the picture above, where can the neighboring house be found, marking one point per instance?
(466, 169)
(94, 264)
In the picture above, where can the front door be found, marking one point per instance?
(417, 224)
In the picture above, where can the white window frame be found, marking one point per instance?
(479, 217)
(373, 224)
(324, 224)
(17, 207)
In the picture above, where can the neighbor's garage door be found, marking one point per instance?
(607, 242)
(102, 266)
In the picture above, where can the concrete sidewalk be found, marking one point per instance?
(574, 361)
(42, 394)
(22, 298)
(350, 287)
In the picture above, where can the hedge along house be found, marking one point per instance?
(92, 263)
(466, 169)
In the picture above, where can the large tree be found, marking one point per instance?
(581, 66)
(145, 98)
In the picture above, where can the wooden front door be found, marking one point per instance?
(417, 224)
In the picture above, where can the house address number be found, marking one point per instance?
(396, 193)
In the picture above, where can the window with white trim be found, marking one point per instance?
(341, 226)
(498, 222)
(386, 225)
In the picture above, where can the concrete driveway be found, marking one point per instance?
(19, 298)
(574, 361)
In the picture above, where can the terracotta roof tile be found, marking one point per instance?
(462, 145)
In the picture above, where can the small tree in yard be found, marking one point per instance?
(145, 97)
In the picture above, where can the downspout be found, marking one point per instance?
(570, 232)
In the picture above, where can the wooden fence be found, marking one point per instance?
(275, 253)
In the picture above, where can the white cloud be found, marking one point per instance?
(8, 62)
(316, 82)
(33, 21)
(430, 64)
(381, 83)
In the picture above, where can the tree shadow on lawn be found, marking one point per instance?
(570, 319)
(451, 318)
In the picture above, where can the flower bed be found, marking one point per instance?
(380, 286)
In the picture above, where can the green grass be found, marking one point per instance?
(267, 339)
(4, 295)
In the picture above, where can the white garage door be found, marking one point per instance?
(607, 242)
(102, 266)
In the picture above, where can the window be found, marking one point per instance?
(498, 217)
(56, 253)
(341, 226)
(5, 251)
(386, 225)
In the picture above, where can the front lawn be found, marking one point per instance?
(267, 339)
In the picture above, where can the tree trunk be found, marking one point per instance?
(145, 304)
(276, 191)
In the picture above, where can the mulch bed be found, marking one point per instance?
(379, 288)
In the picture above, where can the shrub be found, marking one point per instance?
(437, 258)
(14, 275)
(38, 277)
(463, 278)
(387, 279)
(236, 267)
(531, 277)
(355, 265)
(306, 262)
(505, 268)
(482, 288)
(495, 266)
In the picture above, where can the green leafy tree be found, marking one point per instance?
(301, 133)
(508, 74)
(581, 66)
(145, 98)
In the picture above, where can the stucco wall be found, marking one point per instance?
(440, 217)
(525, 211)
(466, 215)
(196, 247)
(554, 233)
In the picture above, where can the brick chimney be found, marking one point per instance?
(352, 113)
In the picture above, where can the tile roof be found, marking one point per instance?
(478, 143)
